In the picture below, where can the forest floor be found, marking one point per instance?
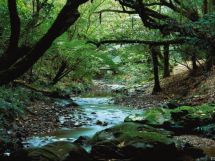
(182, 88)
(45, 117)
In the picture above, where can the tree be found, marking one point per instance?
(180, 20)
(17, 60)
(154, 52)
(168, 25)
(166, 72)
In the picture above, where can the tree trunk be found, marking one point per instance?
(205, 7)
(67, 17)
(154, 51)
(60, 72)
(6, 58)
(14, 25)
(166, 61)
(31, 75)
(211, 6)
(1, 30)
(210, 59)
(194, 65)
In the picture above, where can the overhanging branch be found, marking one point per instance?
(145, 42)
(116, 11)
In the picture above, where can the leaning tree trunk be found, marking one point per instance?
(154, 51)
(60, 72)
(67, 17)
(166, 61)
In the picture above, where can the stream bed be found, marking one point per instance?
(101, 113)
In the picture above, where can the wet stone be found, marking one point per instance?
(58, 151)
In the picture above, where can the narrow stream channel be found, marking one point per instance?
(101, 112)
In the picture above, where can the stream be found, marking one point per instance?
(101, 113)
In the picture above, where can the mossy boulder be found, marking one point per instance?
(134, 141)
(127, 131)
(156, 116)
(193, 116)
(58, 151)
(184, 119)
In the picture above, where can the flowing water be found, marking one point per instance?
(101, 113)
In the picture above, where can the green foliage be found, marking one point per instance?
(205, 25)
(84, 60)
(4, 26)
(13, 101)
(11, 105)
(135, 64)
(12, 97)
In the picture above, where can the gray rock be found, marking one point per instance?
(57, 151)
(101, 123)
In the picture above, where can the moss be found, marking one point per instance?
(146, 133)
(205, 112)
(205, 108)
(183, 108)
(189, 116)
(129, 132)
(156, 116)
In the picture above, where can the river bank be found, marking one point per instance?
(61, 120)
(47, 122)
(143, 131)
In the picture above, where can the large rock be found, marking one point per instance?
(58, 151)
(157, 116)
(133, 141)
(184, 119)
(194, 116)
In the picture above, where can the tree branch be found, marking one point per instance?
(116, 11)
(67, 17)
(146, 42)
